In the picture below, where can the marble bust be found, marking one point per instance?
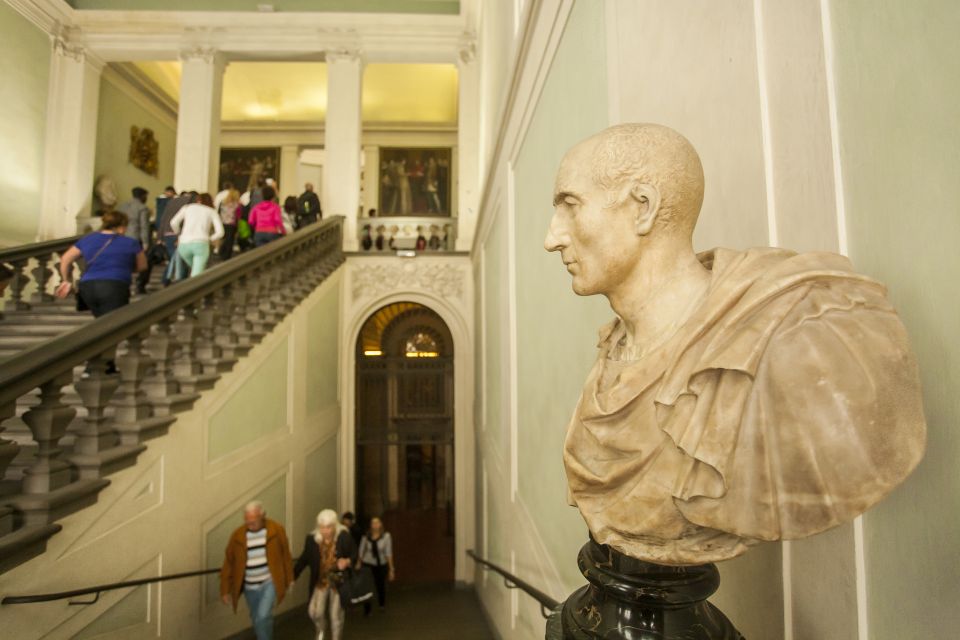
(738, 396)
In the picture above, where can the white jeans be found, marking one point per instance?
(325, 601)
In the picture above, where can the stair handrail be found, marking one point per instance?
(34, 366)
(547, 604)
(97, 590)
(36, 249)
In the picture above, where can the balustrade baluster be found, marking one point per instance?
(18, 283)
(133, 413)
(8, 451)
(48, 421)
(98, 450)
(248, 334)
(227, 336)
(186, 366)
(260, 310)
(209, 351)
(41, 275)
(162, 388)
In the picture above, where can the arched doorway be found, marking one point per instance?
(405, 436)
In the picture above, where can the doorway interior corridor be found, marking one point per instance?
(405, 437)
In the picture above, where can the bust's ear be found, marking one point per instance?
(645, 200)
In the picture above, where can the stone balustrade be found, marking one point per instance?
(31, 270)
(65, 423)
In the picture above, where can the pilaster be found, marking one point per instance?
(289, 159)
(70, 147)
(341, 168)
(198, 121)
(468, 143)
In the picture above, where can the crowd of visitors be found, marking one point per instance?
(187, 229)
(258, 564)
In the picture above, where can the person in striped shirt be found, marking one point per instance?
(258, 564)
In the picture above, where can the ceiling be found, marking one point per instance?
(297, 91)
(436, 7)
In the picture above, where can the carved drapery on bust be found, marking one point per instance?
(773, 397)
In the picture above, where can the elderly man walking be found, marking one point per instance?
(258, 564)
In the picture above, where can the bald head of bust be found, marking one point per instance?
(618, 192)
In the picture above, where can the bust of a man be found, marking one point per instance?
(738, 396)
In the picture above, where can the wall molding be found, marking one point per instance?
(457, 313)
(135, 85)
(51, 16)
(542, 33)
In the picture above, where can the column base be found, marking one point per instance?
(635, 600)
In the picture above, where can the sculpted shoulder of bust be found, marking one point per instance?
(738, 396)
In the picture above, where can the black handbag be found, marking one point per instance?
(356, 587)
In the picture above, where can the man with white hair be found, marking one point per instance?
(258, 564)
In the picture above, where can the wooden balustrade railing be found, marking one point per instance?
(168, 346)
(44, 256)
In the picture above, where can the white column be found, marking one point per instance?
(71, 142)
(198, 122)
(341, 167)
(468, 147)
(289, 163)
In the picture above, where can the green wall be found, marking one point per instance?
(323, 332)
(25, 69)
(321, 482)
(898, 96)
(118, 112)
(553, 357)
(555, 329)
(257, 409)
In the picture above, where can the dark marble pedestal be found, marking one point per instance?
(630, 599)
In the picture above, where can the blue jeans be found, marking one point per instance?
(261, 238)
(173, 267)
(260, 601)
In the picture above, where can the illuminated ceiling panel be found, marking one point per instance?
(410, 93)
(297, 91)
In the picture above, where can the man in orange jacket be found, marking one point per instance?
(258, 564)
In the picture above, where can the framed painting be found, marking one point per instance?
(245, 167)
(415, 181)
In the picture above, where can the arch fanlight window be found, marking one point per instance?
(405, 330)
(420, 344)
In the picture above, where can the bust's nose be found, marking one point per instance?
(556, 238)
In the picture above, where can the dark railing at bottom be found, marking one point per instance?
(63, 595)
(547, 604)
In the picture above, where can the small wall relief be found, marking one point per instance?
(144, 150)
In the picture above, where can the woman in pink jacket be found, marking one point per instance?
(266, 219)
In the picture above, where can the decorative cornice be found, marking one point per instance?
(375, 280)
(52, 16)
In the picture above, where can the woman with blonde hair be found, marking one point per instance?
(328, 550)
(229, 211)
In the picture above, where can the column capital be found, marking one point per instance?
(344, 54)
(65, 48)
(207, 54)
(467, 48)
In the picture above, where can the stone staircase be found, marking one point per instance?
(66, 424)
